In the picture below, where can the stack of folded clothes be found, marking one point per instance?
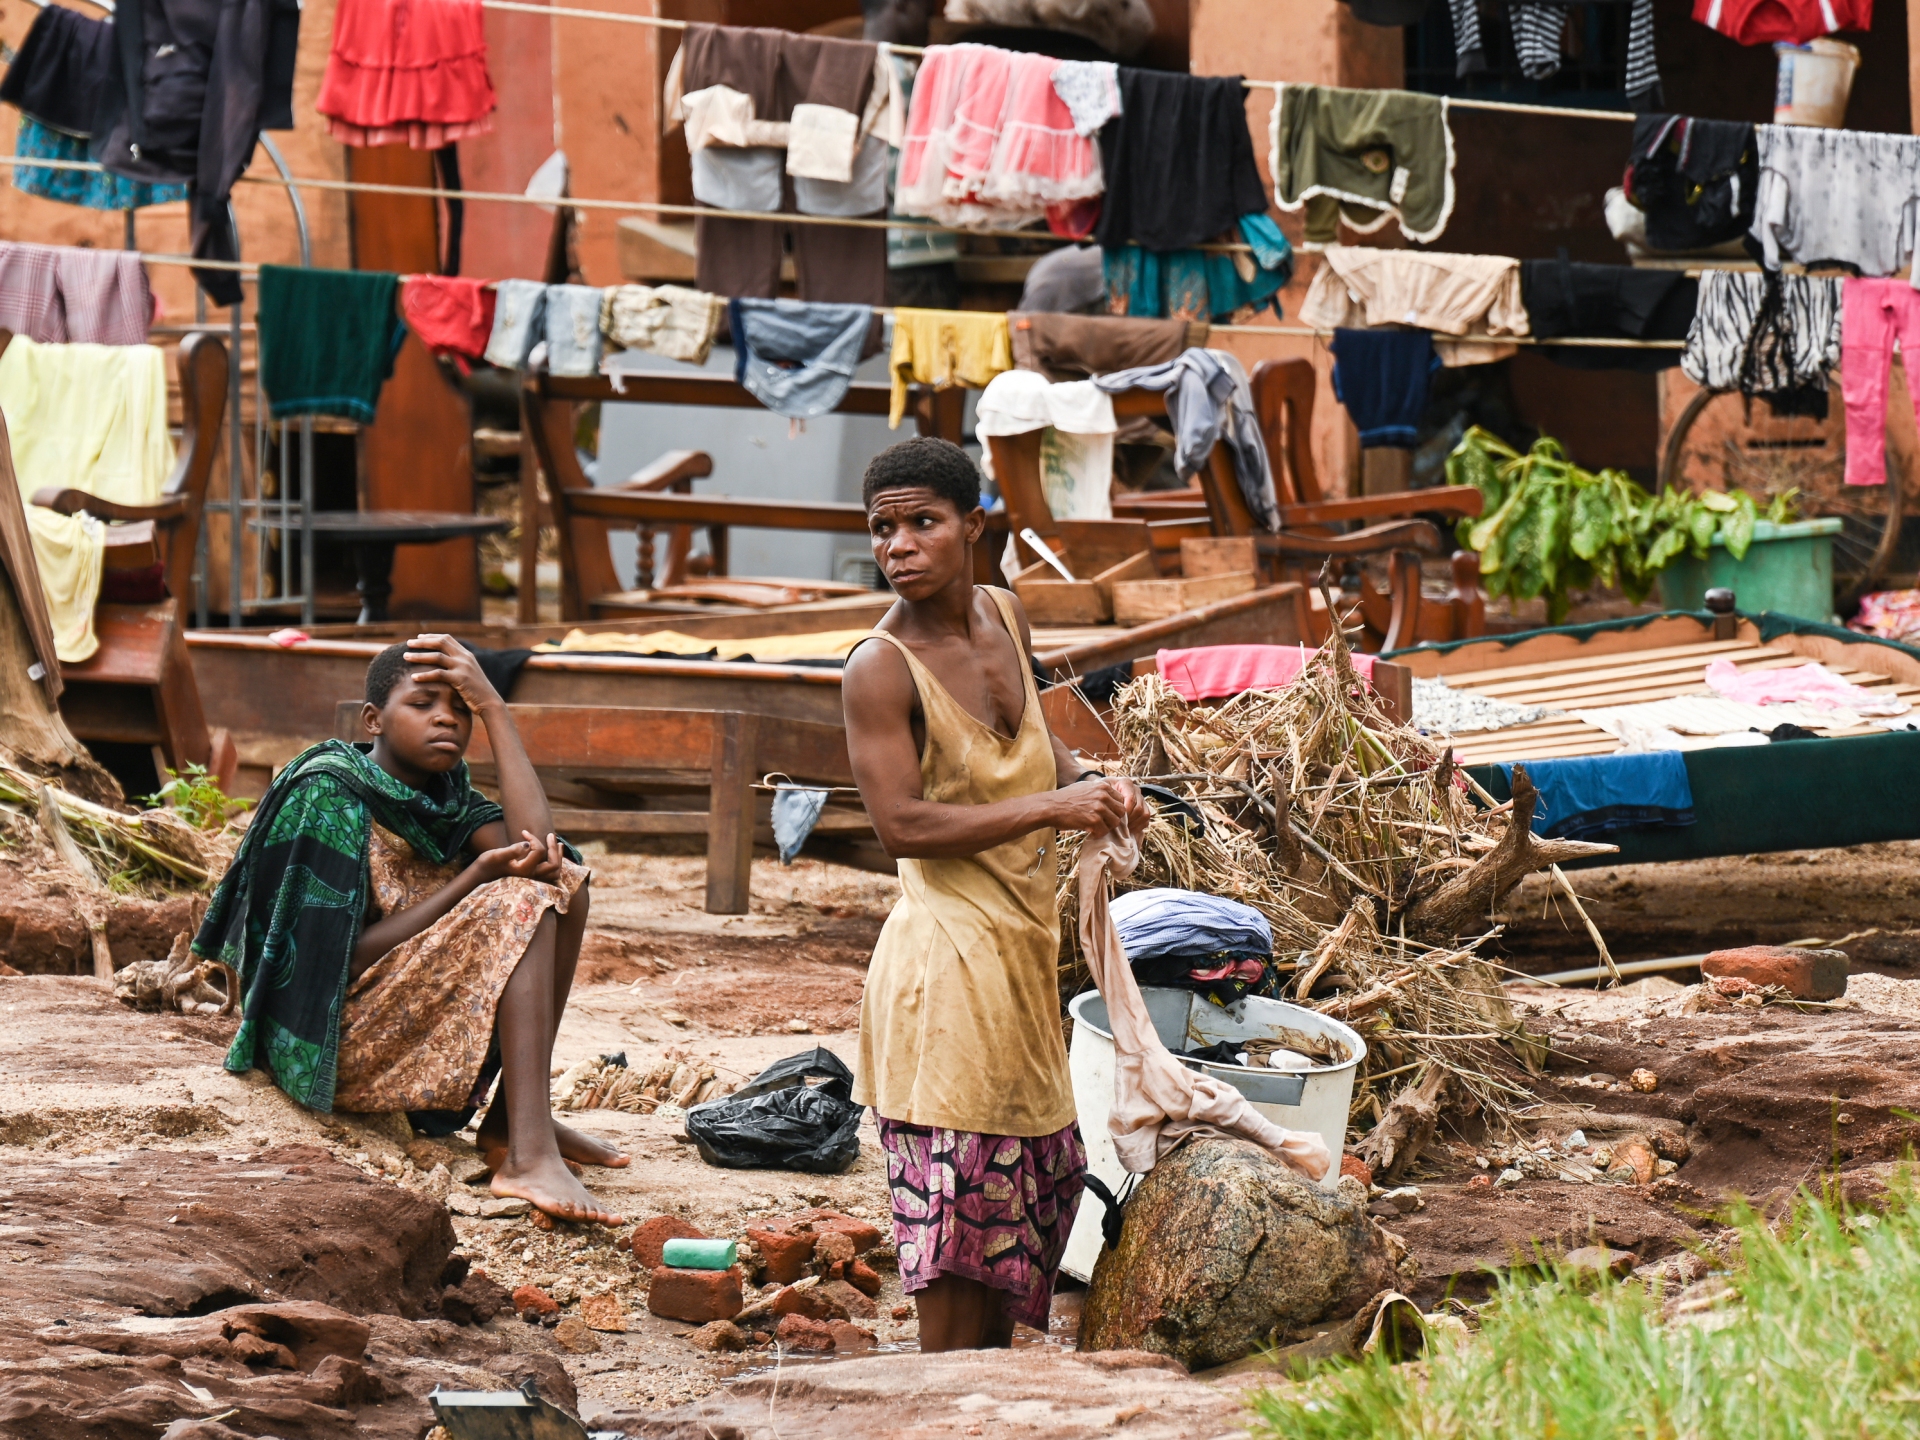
(1193, 941)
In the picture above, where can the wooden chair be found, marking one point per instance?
(1283, 398)
(138, 687)
(660, 496)
(625, 753)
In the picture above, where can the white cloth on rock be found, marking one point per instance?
(1157, 1101)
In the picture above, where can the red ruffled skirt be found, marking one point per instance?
(407, 70)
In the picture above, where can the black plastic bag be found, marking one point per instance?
(779, 1122)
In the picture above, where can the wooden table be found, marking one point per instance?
(373, 536)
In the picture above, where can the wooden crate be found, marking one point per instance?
(1049, 600)
(1136, 602)
(1229, 555)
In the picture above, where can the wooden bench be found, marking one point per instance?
(595, 750)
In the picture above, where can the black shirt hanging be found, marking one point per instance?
(1178, 160)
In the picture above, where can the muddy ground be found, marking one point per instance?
(182, 1245)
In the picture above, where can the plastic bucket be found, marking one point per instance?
(1313, 1097)
(1815, 80)
(1788, 569)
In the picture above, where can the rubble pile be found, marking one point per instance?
(1374, 860)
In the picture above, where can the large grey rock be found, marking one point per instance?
(1224, 1249)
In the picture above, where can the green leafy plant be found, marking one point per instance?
(196, 797)
(1549, 528)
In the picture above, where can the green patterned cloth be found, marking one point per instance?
(287, 914)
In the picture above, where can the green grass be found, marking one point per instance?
(1823, 1341)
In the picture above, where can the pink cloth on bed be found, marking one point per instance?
(1157, 1101)
(1211, 672)
(990, 143)
(1809, 684)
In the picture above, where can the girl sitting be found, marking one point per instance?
(397, 949)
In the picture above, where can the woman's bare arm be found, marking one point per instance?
(527, 856)
(879, 696)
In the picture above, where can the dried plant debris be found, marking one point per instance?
(609, 1083)
(116, 849)
(1363, 844)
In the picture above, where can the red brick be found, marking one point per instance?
(1804, 974)
(696, 1296)
(861, 1276)
(1353, 1165)
(649, 1238)
(902, 1312)
(787, 1255)
(813, 1302)
(864, 1234)
(830, 1250)
(850, 1339)
(797, 1332)
(531, 1298)
(1480, 1182)
(857, 1306)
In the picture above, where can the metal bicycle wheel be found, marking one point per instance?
(1800, 455)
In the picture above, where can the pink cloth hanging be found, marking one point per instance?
(989, 143)
(1157, 1101)
(1211, 672)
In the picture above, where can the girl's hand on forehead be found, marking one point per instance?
(440, 659)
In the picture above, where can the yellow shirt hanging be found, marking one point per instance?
(944, 348)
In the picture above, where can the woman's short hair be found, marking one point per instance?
(924, 461)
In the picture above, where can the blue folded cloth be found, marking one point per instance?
(1164, 924)
(1584, 798)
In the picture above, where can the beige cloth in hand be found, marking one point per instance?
(1157, 1101)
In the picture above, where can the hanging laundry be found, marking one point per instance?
(1875, 315)
(61, 70)
(944, 348)
(1077, 347)
(195, 85)
(70, 552)
(990, 144)
(95, 189)
(328, 339)
(1771, 336)
(1461, 297)
(1695, 179)
(1539, 44)
(452, 316)
(668, 320)
(93, 417)
(1766, 22)
(405, 72)
(1179, 163)
(1836, 196)
(1568, 298)
(794, 357)
(573, 330)
(1210, 403)
(1382, 377)
(769, 73)
(1091, 92)
(519, 323)
(1362, 156)
(1076, 443)
(1203, 284)
(57, 80)
(60, 294)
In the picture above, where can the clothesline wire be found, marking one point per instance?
(251, 272)
(660, 23)
(507, 197)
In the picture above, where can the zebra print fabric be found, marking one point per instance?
(1538, 33)
(1765, 334)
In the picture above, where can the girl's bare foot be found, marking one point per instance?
(549, 1187)
(575, 1147)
